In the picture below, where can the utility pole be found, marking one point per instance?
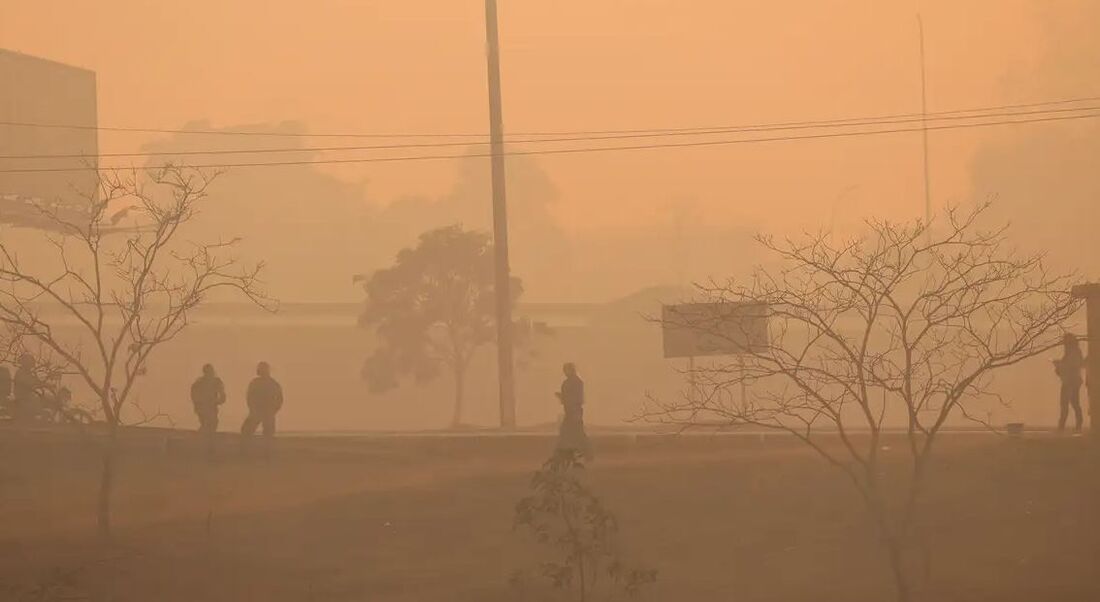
(503, 284)
(924, 127)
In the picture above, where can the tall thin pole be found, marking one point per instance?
(500, 225)
(924, 126)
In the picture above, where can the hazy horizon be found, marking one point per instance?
(417, 67)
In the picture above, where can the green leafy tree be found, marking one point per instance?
(432, 310)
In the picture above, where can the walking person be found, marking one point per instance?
(1069, 368)
(571, 435)
(265, 399)
(207, 394)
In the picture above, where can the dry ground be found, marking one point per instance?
(430, 518)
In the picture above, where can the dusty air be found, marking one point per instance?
(515, 301)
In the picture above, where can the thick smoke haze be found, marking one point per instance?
(578, 66)
(280, 353)
(1041, 179)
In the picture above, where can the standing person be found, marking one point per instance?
(1069, 368)
(207, 393)
(572, 435)
(265, 398)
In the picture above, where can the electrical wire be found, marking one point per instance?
(532, 141)
(578, 150)
(532, 133)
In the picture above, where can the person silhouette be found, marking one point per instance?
(265, 399)
(571, 435)
(1069, 368)
(207, 393)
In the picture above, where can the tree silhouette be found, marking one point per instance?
(907, 323)
(128, 290)
(432, 309)
(579, 534)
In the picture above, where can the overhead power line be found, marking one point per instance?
(247, 151)
(583, 149)
(1063, 101)
(577, 150)
(793, 124)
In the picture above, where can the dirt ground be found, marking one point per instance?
(430, 518)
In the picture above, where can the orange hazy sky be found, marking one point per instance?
(418, 66)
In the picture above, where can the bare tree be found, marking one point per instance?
(905, 325)
(129, 291)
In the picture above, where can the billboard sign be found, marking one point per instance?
(706, 329)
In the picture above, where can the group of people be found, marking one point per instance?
(264, 398)
(19, 395)
(25, 397)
